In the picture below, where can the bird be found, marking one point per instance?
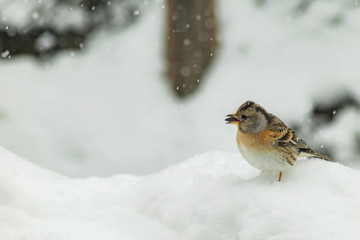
(266, 142)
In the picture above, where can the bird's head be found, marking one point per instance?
(250, 118)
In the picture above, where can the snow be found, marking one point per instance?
(215, 195)
(45, 42)
(343, 130)
(105, 140)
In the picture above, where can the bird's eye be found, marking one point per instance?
(243, 117)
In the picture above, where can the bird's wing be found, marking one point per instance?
(280, 133)
(281, 138)
(305, 151)
(287, 137)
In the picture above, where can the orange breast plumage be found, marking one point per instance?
(260, 153)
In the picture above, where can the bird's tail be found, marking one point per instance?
(308, 152)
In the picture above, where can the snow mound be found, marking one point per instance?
(210, 196)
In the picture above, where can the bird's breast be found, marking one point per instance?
(253, 142)
(260, 153)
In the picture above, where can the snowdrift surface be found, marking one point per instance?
(210, 196)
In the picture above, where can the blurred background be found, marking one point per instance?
(97, 87)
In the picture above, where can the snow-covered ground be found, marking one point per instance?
(214, 195)
(84, 121)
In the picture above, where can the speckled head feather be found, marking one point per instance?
(252, 117)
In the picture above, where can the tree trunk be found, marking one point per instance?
(191, 43)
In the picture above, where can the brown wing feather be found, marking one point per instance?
(285, 136)
(304, 150)
(281, 137)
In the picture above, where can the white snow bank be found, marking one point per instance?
(210, 196)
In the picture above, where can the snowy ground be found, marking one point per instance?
(210, 196)
(108, 112)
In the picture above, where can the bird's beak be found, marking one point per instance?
(232, 119)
